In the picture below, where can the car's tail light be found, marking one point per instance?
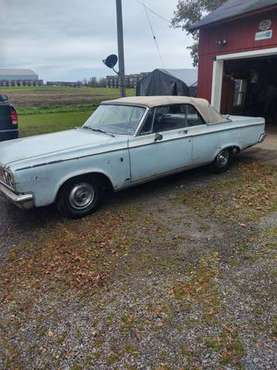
(13, 117)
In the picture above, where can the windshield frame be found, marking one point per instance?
(140, 122)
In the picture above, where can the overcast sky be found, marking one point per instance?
(67, 39)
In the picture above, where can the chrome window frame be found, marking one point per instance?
(142, 121)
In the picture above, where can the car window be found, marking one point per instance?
(170, 117)
(116, 119)
(193, 117)
(148, 123)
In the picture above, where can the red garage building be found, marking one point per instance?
(238, 57)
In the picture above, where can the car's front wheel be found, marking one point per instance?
(222, 161)
(79, 197)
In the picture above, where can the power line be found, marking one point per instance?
(153, 11)
(152, 31)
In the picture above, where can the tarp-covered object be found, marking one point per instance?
(180, 82)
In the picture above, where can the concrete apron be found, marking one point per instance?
(267, 151)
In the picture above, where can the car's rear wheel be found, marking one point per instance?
(222, 161)
(79, 197)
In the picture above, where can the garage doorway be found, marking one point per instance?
(246, 84)
(250, 88)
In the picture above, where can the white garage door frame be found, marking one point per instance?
(218, 69)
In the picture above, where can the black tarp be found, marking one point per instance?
(181, 82)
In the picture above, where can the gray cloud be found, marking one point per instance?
(67, 39)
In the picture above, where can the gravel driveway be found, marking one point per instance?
(176, 274)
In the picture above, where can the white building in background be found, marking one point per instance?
(19, 77)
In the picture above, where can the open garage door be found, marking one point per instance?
(249, 87)
(246, 83)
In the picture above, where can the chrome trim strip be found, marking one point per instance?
(11, 130)
(262, 137)
(141, 123)
(69, 159)
(6, 185)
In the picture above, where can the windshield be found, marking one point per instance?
(115, 119)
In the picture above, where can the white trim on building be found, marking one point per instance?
(218, 68)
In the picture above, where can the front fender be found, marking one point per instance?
(46, 180)
(74, 174)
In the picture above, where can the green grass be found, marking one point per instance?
(22, 111)
(34, 124)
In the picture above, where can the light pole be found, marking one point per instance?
(120, 43)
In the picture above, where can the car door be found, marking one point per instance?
(162, 146)
(204, 137)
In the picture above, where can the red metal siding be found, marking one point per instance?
(240, 36)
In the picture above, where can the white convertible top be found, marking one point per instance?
(209, 114)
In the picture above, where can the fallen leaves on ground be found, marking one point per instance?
(250, 194)
(201, 286)
(77, 255)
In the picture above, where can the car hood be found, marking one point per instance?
(56, 145)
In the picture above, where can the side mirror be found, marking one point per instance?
(158, 137)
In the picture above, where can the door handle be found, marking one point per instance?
(184, 132)
(158, 137)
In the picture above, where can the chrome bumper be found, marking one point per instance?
(262, 137)
(21, 200)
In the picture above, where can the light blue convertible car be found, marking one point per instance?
(125, 142)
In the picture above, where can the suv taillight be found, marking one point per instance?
(13, 117)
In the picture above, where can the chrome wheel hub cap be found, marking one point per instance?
(222, 158)
(81, 196)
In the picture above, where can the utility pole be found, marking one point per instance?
(120, 43)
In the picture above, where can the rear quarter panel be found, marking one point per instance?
(209, 140)
(248, 130)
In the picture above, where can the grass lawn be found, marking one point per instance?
(34, 124)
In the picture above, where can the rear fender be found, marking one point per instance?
(233, 146)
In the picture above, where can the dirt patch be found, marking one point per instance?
(58, 96)
(50, 99)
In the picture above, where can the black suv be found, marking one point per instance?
(8, 120)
